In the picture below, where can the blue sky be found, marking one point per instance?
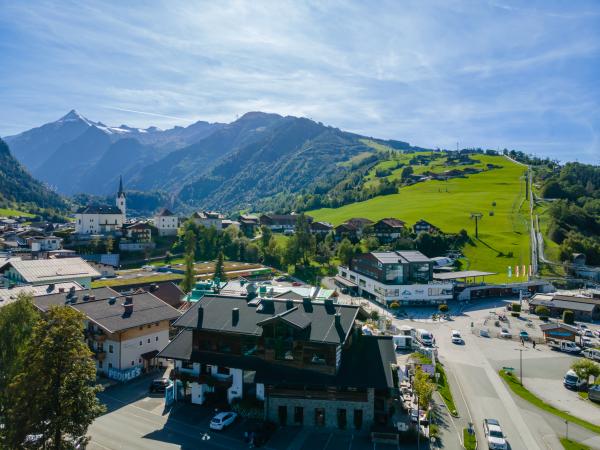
(523, 75)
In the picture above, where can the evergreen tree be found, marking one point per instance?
(189, 278)
(265, 236)
(305, 240)
(220, 267)
(55, 395)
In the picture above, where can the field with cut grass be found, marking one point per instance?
(498, 194)
(5, 212)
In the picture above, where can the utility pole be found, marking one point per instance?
(521, 365)
(477, 217)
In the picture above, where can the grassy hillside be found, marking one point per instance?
(7, 212)
(448, 205)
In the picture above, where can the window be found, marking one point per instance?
(156, 338)
(319, 417)
(298, 415)
(99, 364)
(358, 418)
(140, 361)
(110, 348)
(148, 340)
(110, 365)
(223, 370)
(132, 363)
(149, 325)
(187, 365)
(142, 327)
(341, 417)
(140, 342)
(156, 324)
(282, 413)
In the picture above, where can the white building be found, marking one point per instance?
(45, 243)
(208, 219)
(125, 332)
(166, 222)
(102, 219)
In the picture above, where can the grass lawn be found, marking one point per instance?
(469, 440)
(573, 445)
(524, 393)
(448, 205)
(444, 389)
(148, 279)
(5, 212)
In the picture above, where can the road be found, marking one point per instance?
(475, 382)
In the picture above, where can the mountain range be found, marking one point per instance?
(17, 186)
(204, 165)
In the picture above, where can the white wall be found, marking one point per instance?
(131, 350)
(96, 223)
(167, 225)
(260, 391)
(387, 293)
(236, 389)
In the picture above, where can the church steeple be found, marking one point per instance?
(121, 204)
(121, 192)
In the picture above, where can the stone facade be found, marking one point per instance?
(330, 408)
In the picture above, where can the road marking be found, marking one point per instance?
(328, 439)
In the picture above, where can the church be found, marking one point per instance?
(102, 219)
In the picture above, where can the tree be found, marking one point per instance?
(346, 252)
(372, 243)
(291, 253)
(443, 308)
(95, 242)
(55, 396)
(189, 277)
(423, 387)
(542, 311)
(586, 368)
(271, 253)
(568, 317)
(265, 236)
(305, 240)
(220, 268)
(406, 173)
(515, 307)
(17, 320)
(109, 244)
(324, 253)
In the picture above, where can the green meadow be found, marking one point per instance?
(498, 194)
(4, 212)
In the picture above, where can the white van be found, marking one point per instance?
(592, 353)
(572, 381)
(424, 337)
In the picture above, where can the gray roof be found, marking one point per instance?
(107, 309)
(565, 304)
(39, 270)
(400, 257)
(373, 352)
(164, 213)
(555, 325)
(215, 313)
(10, 295)
(99, 209)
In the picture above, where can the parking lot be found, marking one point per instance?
(136, 420)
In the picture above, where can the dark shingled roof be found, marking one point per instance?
(167, 291)
(111, 314)
(215, 313)
(366, 363)
(99, 209)
(165, 213)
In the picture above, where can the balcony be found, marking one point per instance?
(329, 394)
(100, 355)
(98, 336)
(218, 380)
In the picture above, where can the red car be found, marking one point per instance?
(296, 283)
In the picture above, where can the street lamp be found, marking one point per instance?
(521, 363)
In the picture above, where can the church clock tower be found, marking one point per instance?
(121, 204)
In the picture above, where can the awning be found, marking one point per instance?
(150, 355)
(344, 282)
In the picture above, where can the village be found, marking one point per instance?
(276, 352)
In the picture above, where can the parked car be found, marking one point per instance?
(457, 338)
(159, 385)
(594, 393)
(260, 430)
(572, 381)
(504, 333)
(484, 332)
(592, 353)
(524, 335)
(493, 435)
(296, 283)
(588, 333)
(222, 420)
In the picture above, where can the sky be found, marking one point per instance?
(490, 74)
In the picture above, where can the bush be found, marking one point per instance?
(443, 308)
(568, 317)
(374, 315)
(515, 314)
(395, 305)
(542, 311)
(516, 307)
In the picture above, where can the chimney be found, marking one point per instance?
(128, 300)
(61, 290)
(153, 287)
(235, 316)
(289, 304)
(338, 319)
(86, 297)
(92, 297)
